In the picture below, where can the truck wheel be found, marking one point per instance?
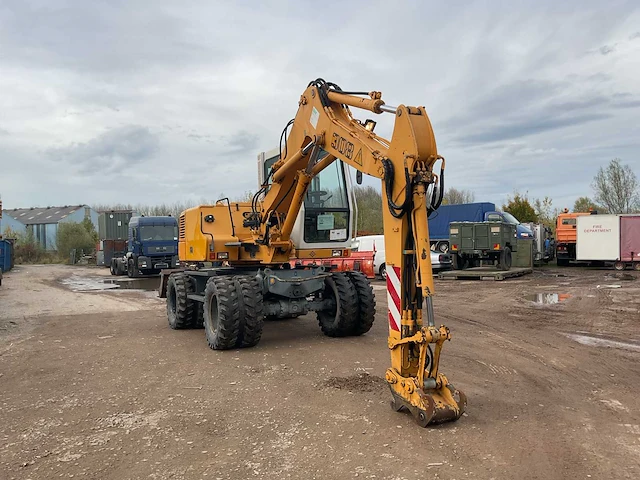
(340, 320)
(366, 303)
(112, 268)
(505, 259)
(132, 271)
(636, 266)
(251, 311)
(221, 320)
(619, 266)
(180, 309)
(458, 262)
(383, 271)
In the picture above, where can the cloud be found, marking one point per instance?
(112, 151)
(607, 49)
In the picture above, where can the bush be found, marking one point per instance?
(79, 236)
(26, 249)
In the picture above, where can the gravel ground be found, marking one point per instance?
(93, 384)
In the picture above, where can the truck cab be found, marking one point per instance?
(566, 236)
(152, 245)
(522, 231)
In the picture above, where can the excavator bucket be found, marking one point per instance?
(430, 406)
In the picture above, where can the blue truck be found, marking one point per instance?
(468, 212)
(152, 245)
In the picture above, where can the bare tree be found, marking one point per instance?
(453, 196)
(616, 188)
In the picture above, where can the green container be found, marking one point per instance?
(476, 238)
(114, 225)
(524, 255)
(473, 244)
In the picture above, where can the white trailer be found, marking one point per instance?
(598, 238)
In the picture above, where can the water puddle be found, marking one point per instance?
(149, 284)
(77, 283)
(592, 341)
(547, 298)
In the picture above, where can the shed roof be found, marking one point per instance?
(41, 215)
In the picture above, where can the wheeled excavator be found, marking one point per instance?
(237, 254)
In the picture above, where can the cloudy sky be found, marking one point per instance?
(149, 101)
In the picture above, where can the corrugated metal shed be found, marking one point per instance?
(38, 216)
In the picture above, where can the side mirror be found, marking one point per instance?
(359, 177)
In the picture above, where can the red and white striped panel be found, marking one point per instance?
(393, 297)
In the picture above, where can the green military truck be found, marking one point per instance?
(473, 244)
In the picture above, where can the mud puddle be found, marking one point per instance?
(148, 284)
(547, 298)
(77, 283)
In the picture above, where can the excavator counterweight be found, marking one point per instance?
(237, 254)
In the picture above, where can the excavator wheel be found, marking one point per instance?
(221, 313)
(341, 320)
(180, 310)
(251, 310)
(366, 303)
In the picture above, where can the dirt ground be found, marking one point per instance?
(94, 384)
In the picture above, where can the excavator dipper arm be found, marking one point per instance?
(323, 130)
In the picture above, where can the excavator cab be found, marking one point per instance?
(328, 215)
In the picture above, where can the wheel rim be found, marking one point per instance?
(171, 298)
(213, 315)
(618, 266)
(383, 272)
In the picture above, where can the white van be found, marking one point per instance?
(369, 243)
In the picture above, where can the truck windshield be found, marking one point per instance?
(510, 218)
(158, 232)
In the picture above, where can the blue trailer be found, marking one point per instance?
(152, 246)
(468, 212)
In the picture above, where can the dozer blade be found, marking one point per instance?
(430, 406)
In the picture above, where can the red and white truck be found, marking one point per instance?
(609, 238)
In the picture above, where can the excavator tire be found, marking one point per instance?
(180, 309)
(251, 310)
(366, 303)
(221, 313)
(341, 321)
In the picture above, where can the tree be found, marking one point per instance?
(72, 235)
(584, 205)
(369, 201)
(453, 196)
(520, 207)
(616, 188)
(545, 212)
